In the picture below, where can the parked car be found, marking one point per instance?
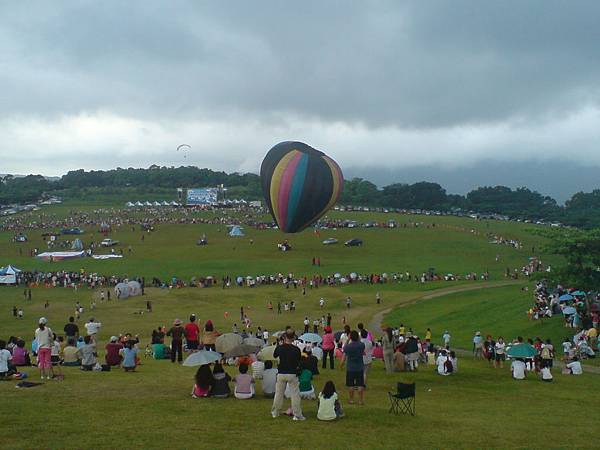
(353, 243)
(330, 241)
(108, 243)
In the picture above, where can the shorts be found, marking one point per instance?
(55, 360)
(500, 357)
(193, 345)
(44, 358)
(355, 379)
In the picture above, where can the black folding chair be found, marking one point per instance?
(404, 400)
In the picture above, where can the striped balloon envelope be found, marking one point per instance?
(300, 184)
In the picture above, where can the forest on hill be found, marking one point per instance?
(581, 210)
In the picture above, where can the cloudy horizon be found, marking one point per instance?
(380, 86)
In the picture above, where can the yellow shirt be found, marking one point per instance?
(428, 335)
(592, 332)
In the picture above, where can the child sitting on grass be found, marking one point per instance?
(129, 354)
(244, 384)
(329, 407)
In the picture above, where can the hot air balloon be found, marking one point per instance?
(300, 184)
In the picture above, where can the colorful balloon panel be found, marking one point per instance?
(300, 184)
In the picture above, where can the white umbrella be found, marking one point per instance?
(201, 358)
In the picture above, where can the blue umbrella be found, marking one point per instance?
(201, 358)
(313, 338)
(569, 310)
(565, 298)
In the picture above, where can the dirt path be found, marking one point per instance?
(375, 323)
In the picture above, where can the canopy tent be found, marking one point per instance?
(236, 231)
(60, 256)
(77, 245)
(135, 288)
(8, 275)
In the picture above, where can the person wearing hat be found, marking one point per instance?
(44, 338)
(478, 345)
(176, 333)
(328, 347)
(113, 358)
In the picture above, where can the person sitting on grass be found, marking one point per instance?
(546, 374)
(70, 356)
(329, 407)
(87, 354)
(20, 354)
(113, 352)
(204, 381)
(220, 387)
(574, 367)
(307, 390)
(244, 384)
(444, 364)
(269, 379)
(518, 369)
(5, 358)
(129, 354)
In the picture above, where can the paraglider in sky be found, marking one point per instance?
(183, 148)
(300, 184)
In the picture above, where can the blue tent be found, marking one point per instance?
(8, 275)
(236, 231)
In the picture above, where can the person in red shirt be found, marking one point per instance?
(112, 352)
(192, 333)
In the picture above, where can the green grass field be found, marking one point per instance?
(478, 407)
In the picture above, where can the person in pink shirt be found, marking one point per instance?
(20, 354)
(328, 347)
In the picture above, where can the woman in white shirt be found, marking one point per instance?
(44, 338)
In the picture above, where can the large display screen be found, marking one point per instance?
(203, 196)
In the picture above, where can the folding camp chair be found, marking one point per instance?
(404, 400)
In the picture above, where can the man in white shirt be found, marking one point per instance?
(441, 363)
(518, 369)
(92, 328)
(575, 367)
(5, 357)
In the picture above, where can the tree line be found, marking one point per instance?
(581, 210)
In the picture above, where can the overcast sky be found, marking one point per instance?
(447, 85)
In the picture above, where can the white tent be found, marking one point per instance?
(236, 231)
(8, 275)
(130, 204)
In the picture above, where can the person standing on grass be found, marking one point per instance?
(43, 336)
(353, 359)
(192, 334)
(478, 345)
(289, 365)
(71, 329)
(176, 333)
(499, 350)
(446, 338)
(388, 350)
(328, 347)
